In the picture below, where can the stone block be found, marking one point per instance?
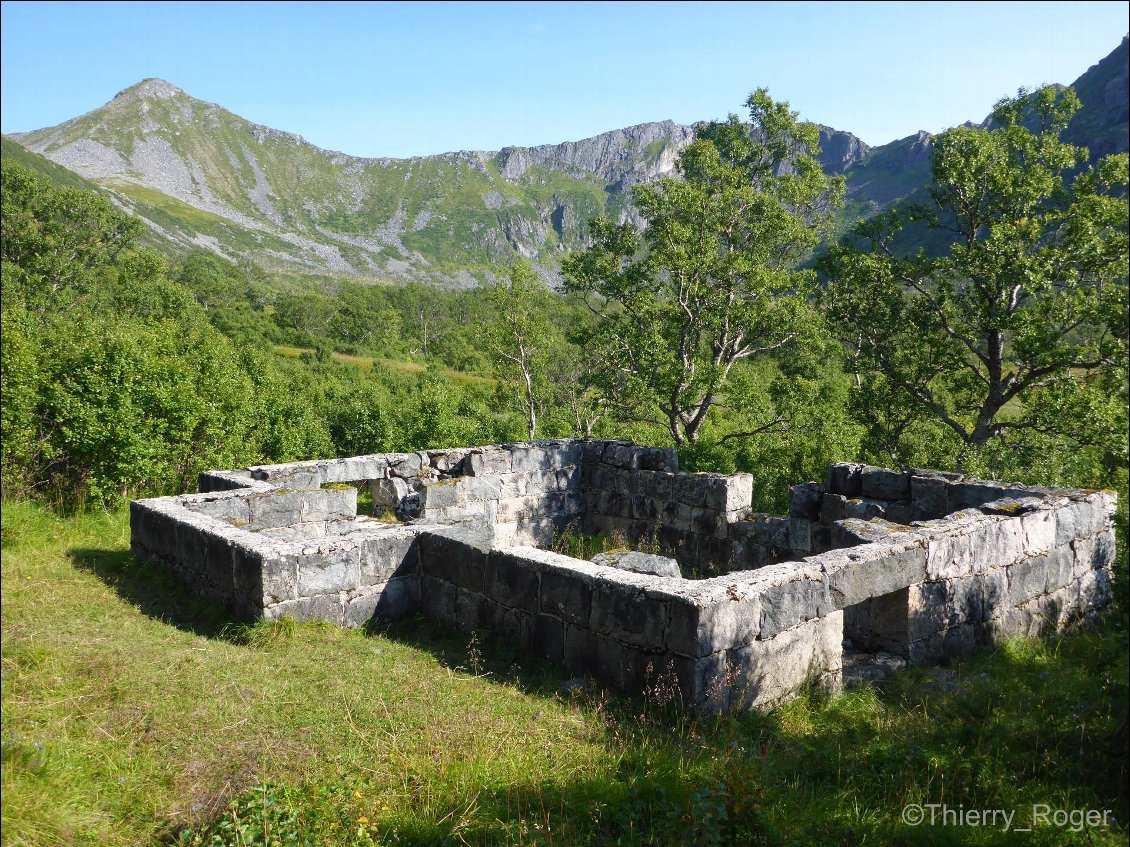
(879, 623)
(997, 542)
(678, 516)
(189, 543)
(568, 478)
(328, 505)
(481, 513)
(845, 478)
(805, 500)
(566, 595)
(232, 510)
(1094, 590)
(690, 489)
(325, 607)
(543, 635)
(974, 494)
(704, 682)
(786, 603)
(644, 508)
(622, 455)
(833, 507)
(679, 544)
(717, 554)
(210, 481)
(279, 578)
(437, 599)
(442, 494)
(512, 581)
(866, 510)
(644, 563)
(883, 484)
(659, 459)
(650, 672)
(388, 493)
(489, 461)
(473, 611)
(1060, 566)
(953, 643)
(359, 469)
(579, 651)
(271, 509)
(409, 466)
(800, 535)
(979, 597)
(950, 554)
(328, 567)
(615, 504)
(1086, 516)
(388, 553)
(772, 670)
(456, 555)
(930, 496)
(709, 522)
(1039, 531)
(555, 503)
(1027, 579)
(627, 613)
(219, 565)
(729, 493)
(1095, 552)
(707, 622)
(877, 571)
(525, 459)
(448, 462)
(385, 603)
(930, 609)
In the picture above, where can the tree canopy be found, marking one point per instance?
(1015, 334)
(711, 278)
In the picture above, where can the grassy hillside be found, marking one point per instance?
(205, 176)
(133, 712)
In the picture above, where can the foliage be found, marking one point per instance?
(523, 341)
(1015, 339)
(712, 280)
(113, 382)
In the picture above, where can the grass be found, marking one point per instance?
(366, 363)
(135, 714)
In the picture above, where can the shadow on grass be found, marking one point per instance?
(482, 653)
(1030, 723)
(157, 593)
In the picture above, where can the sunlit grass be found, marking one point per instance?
(367, 363)
(133, 713)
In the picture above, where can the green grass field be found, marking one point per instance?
(135, 714)
(366, 364)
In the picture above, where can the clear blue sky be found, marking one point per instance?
(402, 79)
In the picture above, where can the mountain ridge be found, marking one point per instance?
(202, 176)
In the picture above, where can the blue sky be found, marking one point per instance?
(403, 79)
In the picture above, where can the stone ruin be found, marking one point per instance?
(921, 565)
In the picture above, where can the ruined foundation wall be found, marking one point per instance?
(922, 564)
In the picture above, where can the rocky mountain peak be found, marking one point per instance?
(150, 88)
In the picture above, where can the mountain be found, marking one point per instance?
(202, 176)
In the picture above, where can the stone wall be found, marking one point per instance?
(922, 564)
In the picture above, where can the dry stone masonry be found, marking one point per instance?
(738, 609)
